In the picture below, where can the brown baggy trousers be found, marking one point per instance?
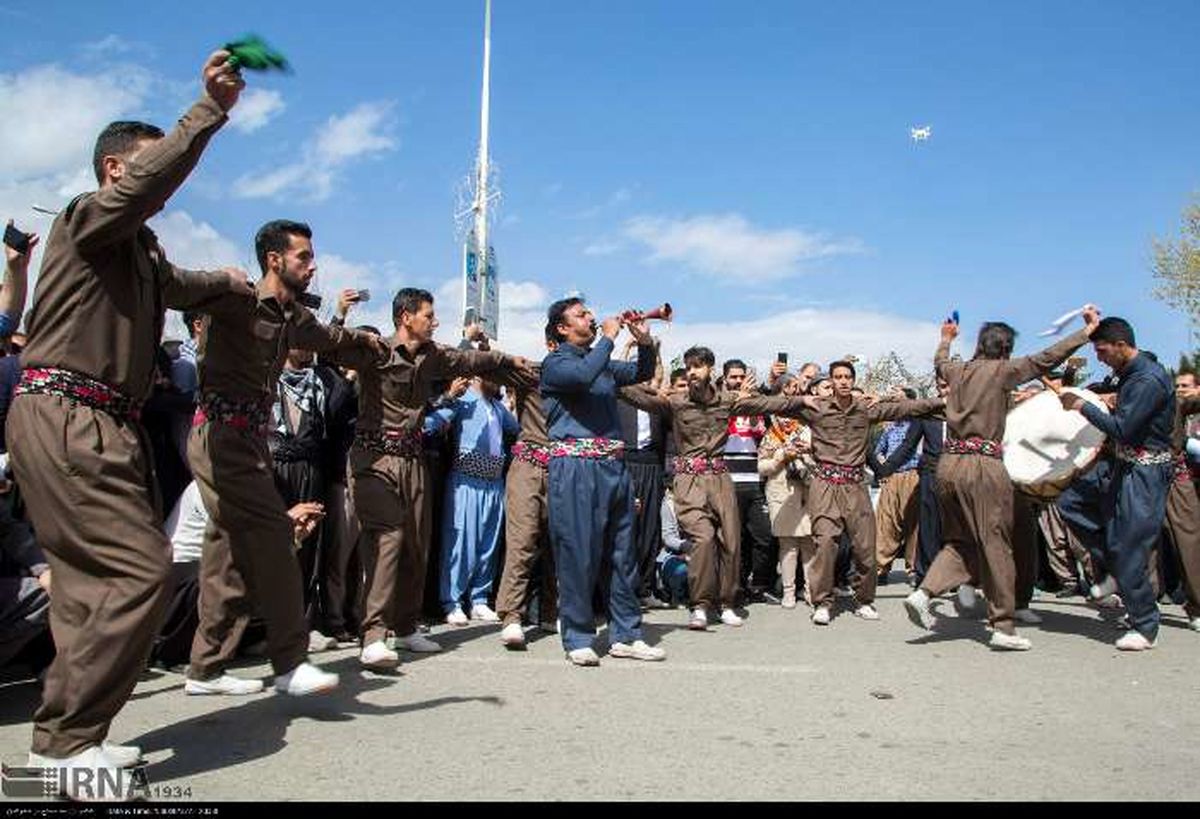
(248, 561)
(88, 483)
(706, 507)
(897, 518)
(526, 538)
(1063, 550)
(837, 508)
(1183, 526)
(393, 507)
(977, 527)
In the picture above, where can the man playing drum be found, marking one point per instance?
(1140, 429)
(974, 487)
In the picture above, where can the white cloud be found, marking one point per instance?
(808, 334)
(51, 116)
(602, 247)
(817, 334)
(197, 245)
(255, 109)
(111, 45)
(728, 246)
(361, 133)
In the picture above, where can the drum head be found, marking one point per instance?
(1045, 446)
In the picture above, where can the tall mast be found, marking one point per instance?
(481, 184)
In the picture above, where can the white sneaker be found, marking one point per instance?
(225, 684)
(378, 655)
(583, 656)
(1194, 624)
(480, 611)
(917, 606)
(1104, 588)
(698, 621)
(843, 592)
(306, 679)
(457, 617)
(1135, 641)
(318, 642)
(418, 643)
(967, 597)
(1009, 642)
(126, 756)
(1027, 616)
(513, 636)
(98, 787)
(730, 618)
(638, 650)
(821, 616)
(1110, 601)
(867, 612)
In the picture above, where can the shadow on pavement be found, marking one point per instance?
(234, 735)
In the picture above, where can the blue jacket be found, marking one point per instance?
(1145, 413)
(579, 389)
(467, 420)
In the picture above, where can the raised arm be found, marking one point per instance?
(895, 410)
(1029, 367)
(1138, 402)
(783, 405)
(646, 398)
(569, 373)
(626, 373)
(15, 287)
(116, 211)
(451, 362)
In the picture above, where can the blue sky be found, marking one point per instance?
(750, 162)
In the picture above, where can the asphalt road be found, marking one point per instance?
(778, 709)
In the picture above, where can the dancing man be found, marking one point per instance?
(705, 502)
(973, 485)
(248, 558)
(80, 455)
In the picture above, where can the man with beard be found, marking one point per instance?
(705, 501)
(248, 557)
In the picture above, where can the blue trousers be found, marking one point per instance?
(591, 518)
(1082, 505)
(1135, 507)
(471, 520)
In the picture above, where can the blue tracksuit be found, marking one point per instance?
(1136, 502)
(591, 501)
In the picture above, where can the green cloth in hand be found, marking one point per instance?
(253, 53)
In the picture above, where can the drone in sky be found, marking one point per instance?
(921, 134)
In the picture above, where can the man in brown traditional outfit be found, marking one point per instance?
(973, 485)
(838, 500)
(249, 557)
(526, 538)
(705, 503)
(79, 453)
(388, 471)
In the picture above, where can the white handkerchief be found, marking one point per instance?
(1062, 321)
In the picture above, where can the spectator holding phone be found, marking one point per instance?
(18, 250)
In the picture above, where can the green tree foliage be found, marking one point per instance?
(1176, 266)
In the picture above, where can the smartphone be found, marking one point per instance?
(16, 239)
(954, 317)
(364, 295)
(310, 300)
(781, 358)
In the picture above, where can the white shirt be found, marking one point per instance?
(185, 526)
(644, 436)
